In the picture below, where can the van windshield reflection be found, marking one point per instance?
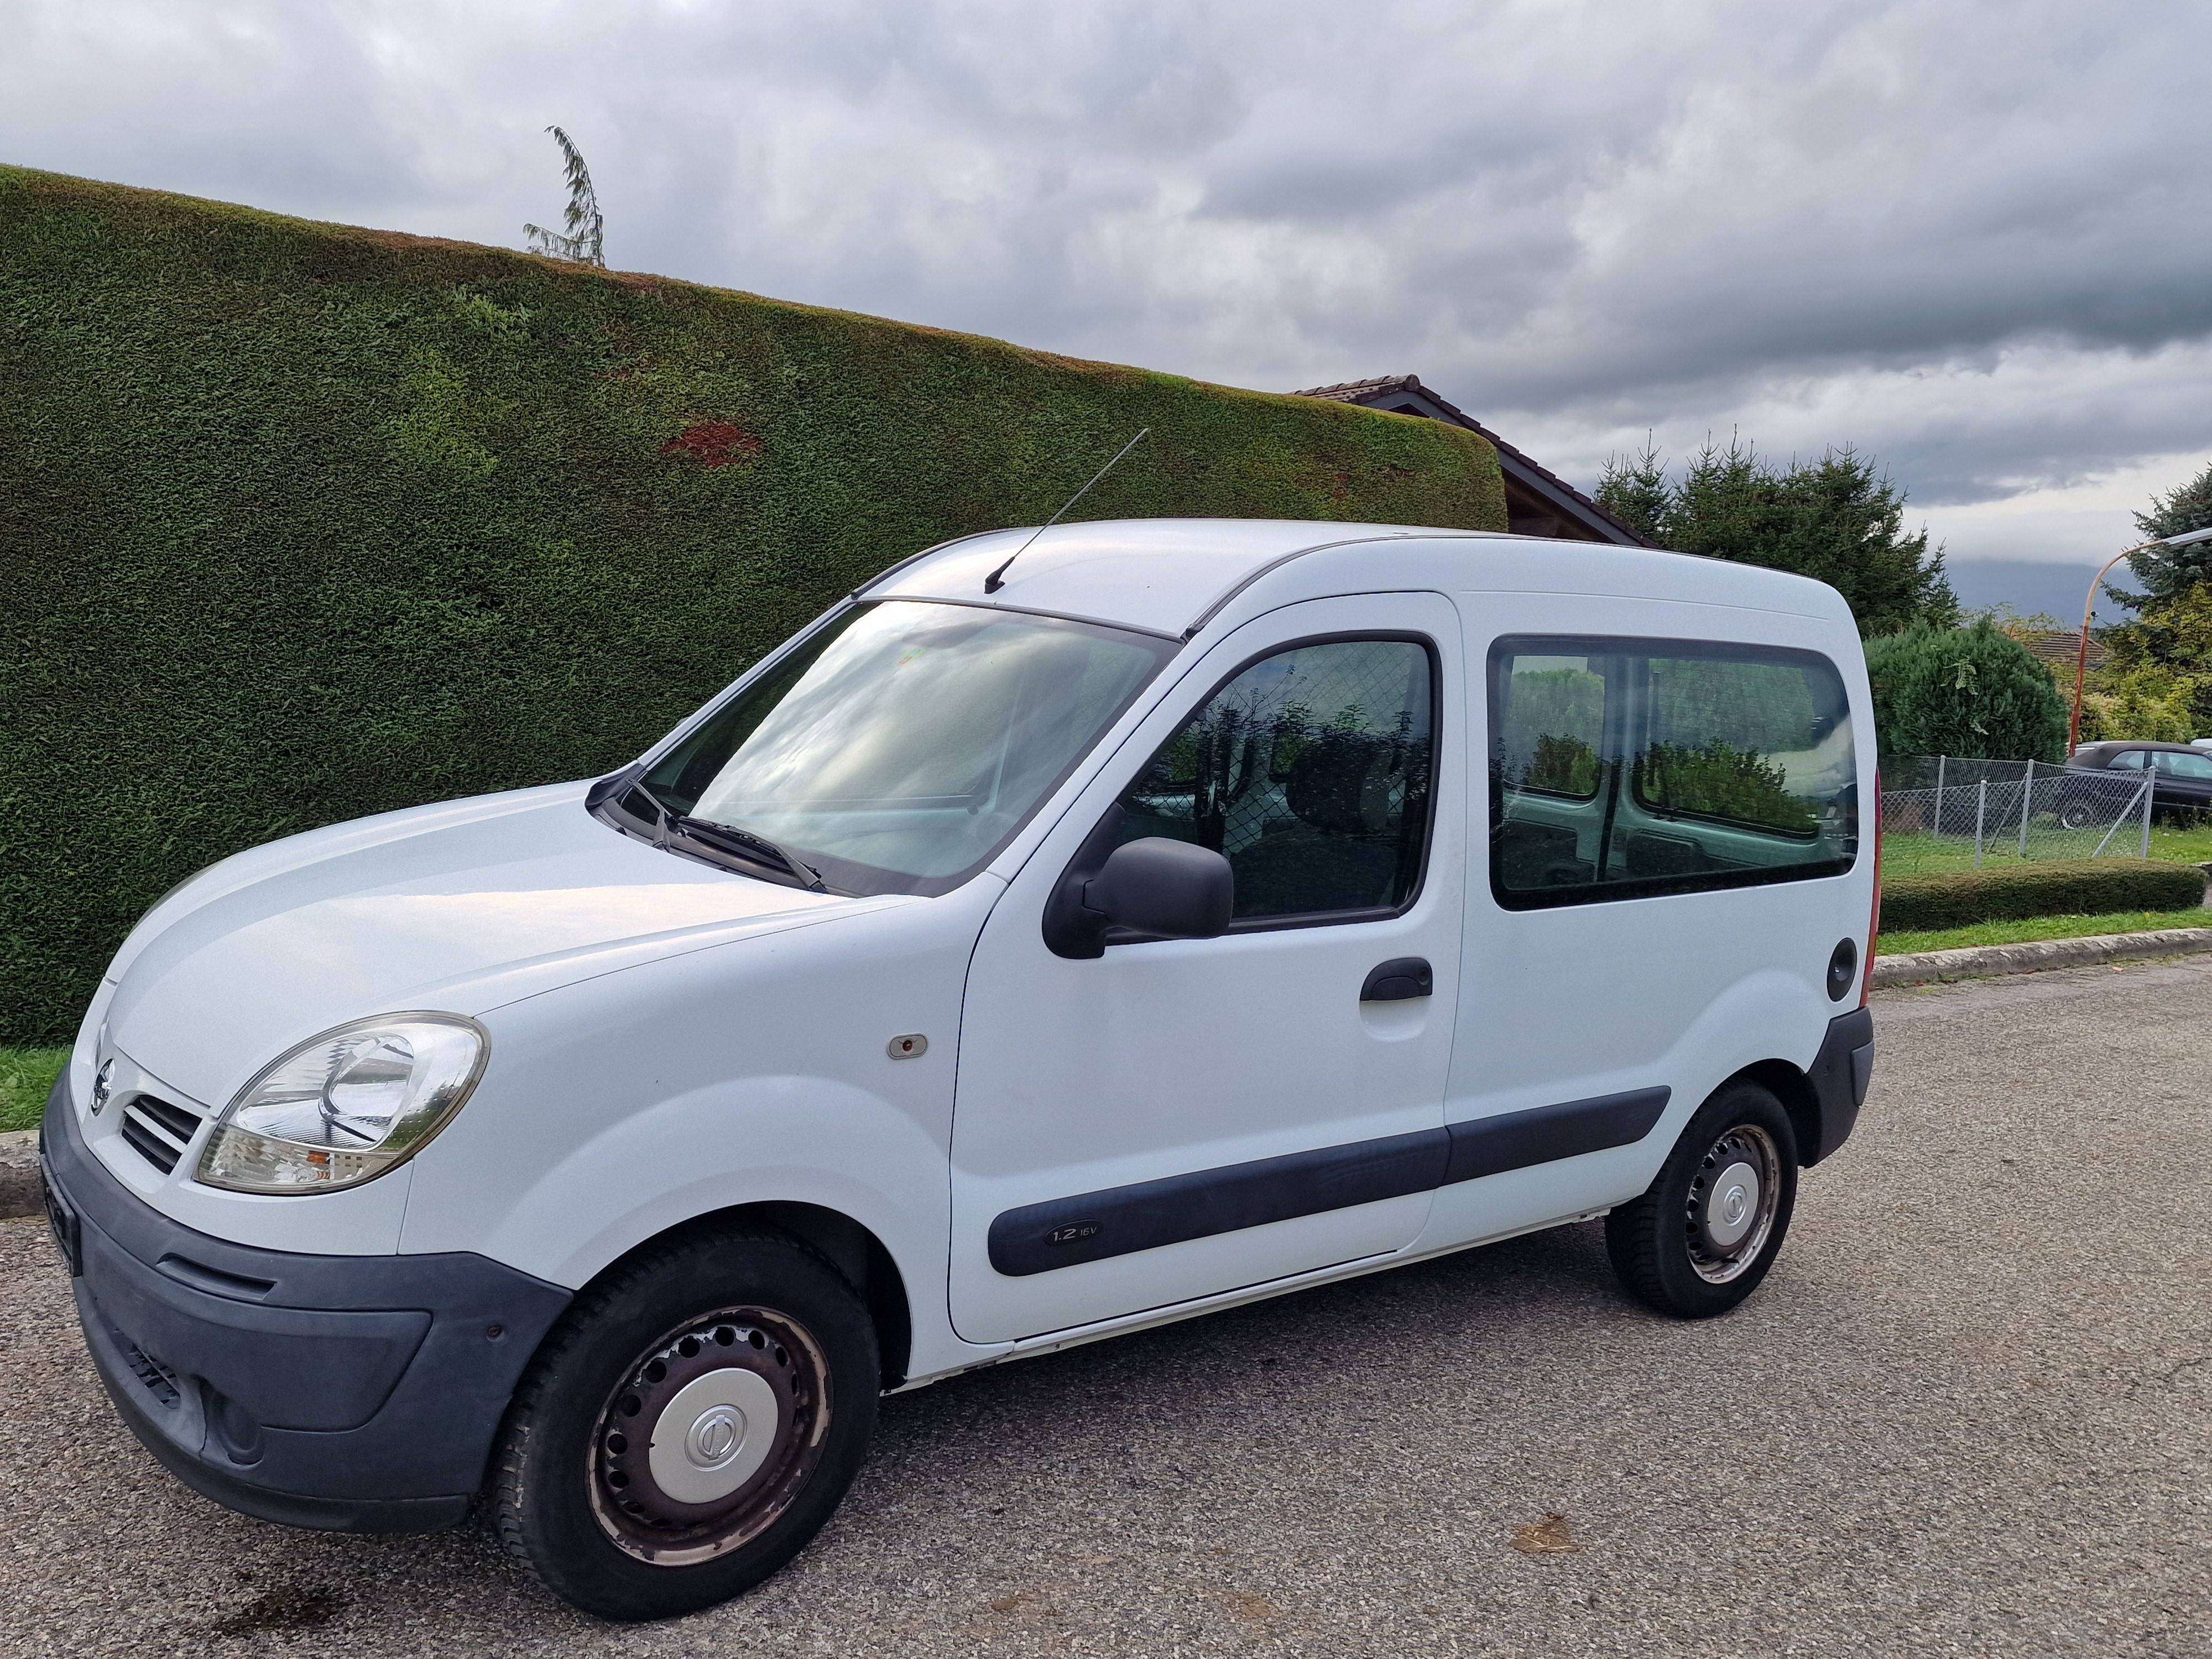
(905, 742)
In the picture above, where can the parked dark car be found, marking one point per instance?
(2182, 778)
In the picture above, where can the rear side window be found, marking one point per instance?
(1629, 768)
(1309, 771)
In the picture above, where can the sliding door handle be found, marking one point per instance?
(1399, 980)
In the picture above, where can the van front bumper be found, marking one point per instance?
(354, 1394)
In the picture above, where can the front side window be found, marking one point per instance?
(2177, 765)
(1311, 772)
(904, 743)
(1625, 769)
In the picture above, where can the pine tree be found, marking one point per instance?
(587, 228)
(2168, 573)
(1635, 489)
(1834, 519)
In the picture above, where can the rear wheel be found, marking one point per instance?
(691, 1422)
(2077, 814)
(1703, 1236)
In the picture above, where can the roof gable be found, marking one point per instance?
(1533, 492)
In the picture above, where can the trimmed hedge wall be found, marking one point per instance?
(2073, 887)
(300, 522)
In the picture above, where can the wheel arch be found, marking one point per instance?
(1790, 1086)
(849, 1246)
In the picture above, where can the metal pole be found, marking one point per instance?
(2089, 605)
(2150, 778)
(1938, 829)
(1981, 810)
(2027, 800)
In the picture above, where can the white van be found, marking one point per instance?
(1209, 910)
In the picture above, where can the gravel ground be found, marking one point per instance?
(1967, 1414)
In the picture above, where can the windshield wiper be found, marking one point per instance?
(727, 838)
(749, 845)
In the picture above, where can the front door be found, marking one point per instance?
(1187, 1116)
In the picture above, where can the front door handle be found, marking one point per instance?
(1399, 980)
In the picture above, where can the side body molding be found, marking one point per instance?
(1147, 1214)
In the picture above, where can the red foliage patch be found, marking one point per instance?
(713, 443)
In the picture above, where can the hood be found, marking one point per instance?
(457, 908)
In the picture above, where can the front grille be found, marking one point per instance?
(158, 1131)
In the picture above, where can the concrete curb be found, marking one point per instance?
(19, 1174)
(1983, 961)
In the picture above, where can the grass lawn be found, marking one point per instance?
(25, 1074)
(1924, 855)
(2035, 928)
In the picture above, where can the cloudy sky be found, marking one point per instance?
(1973, 240)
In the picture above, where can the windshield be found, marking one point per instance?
(902, 745)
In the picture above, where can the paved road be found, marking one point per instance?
(1970, 1413)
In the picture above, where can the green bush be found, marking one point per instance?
(1972, 691)
(300, 522)
(2087, 887)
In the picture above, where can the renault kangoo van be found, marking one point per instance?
(1189, 913)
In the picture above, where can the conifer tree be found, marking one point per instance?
(2168, 573)
(1834, 519)
(584, 242)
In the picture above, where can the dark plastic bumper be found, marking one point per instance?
(355, 1394)
(1839, 1077)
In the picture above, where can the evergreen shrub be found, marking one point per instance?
(2073, 887)
(300, 522)
(1972, 691)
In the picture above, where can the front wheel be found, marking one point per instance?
(691, 1423)
(1703, 1236)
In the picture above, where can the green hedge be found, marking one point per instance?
(2083, 887)
(300, 522)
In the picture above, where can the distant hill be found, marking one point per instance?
(300, 521)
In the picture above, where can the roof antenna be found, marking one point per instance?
(992, 583)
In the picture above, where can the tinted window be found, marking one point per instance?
(1621, 769)
(1311, 772)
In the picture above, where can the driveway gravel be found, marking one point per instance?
(1970, 1413)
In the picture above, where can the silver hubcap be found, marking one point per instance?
(714, 1436)
(1734, 1205)
(1732, 1199)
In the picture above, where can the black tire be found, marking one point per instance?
(1677, 1248)
(2077, 814)
(705, 1338)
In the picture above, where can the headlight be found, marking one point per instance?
(346, 1106)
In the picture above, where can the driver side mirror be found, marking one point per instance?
(1161, 888)
(1169, 888)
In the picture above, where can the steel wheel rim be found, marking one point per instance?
(731, 1409)
(1735, 1192)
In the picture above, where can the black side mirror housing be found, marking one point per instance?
(1155, 887)
(1169, 889)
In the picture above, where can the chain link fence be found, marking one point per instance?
(1944, 813)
